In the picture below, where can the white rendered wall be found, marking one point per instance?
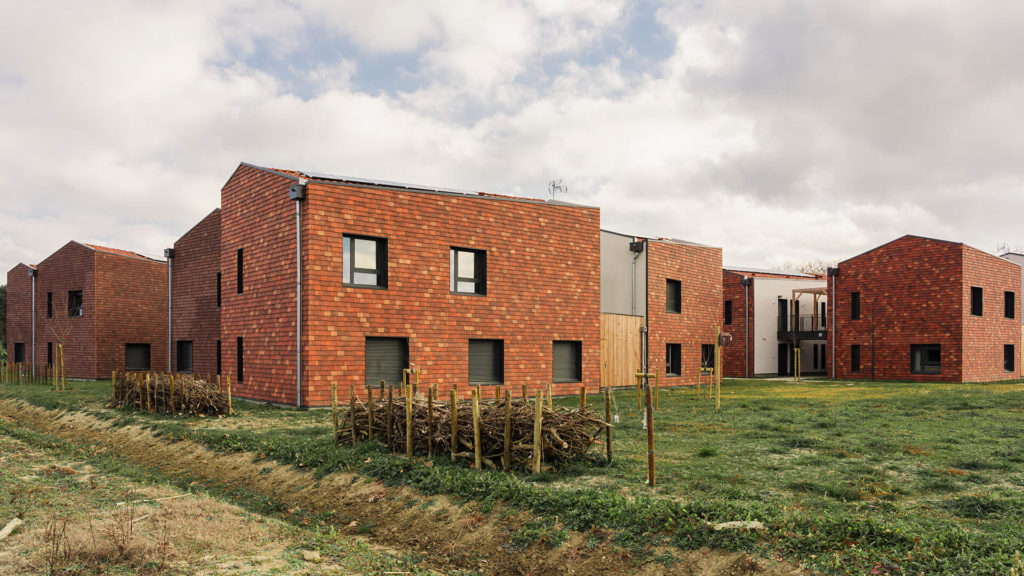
(764, 297)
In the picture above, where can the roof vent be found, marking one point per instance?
(297, 192)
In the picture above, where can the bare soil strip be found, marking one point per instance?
(449, 537)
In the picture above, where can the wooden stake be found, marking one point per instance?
(63, 373)
(538, 441)
(430, 423)
(524, 392)
(172, 394)
(227, 382)
(478, 462)
(657, 388)
(583, 397)
(455, 422)
(508, 429)
(113, 384)
(369, 407)
(608, 419)
(352, 410)
(138, 381)
(550, 406)
(650, 435)
(334, 409)
(408, 425)
(479, 392)
(391, 415)
(639, 390)
(497, 392)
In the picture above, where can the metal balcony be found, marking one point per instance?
(808, 327)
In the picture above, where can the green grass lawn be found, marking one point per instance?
(848, 477)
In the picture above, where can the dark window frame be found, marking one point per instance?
(148, 356)
(977, 301)
(405, 361)
(180, 346)
(76, 303)
(49, 304)
(497, 367)
(707, 356)
(19, 352)
(854, 305)
(479, 278)
(1009, 304)
(218, 289)
(728, 312)
(1009, 358)
(855, 358)
(239, 273)
(928, 366)
(673, 359)
(575, 349)
(349, 269)
(49, 353)
(240, 359)
(673, 296)
(219, 358)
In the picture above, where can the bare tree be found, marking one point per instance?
(810, 267)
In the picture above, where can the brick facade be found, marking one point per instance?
(733, 363)
(194, 306)
(699, 270)
(19, 301)
(915, 291)
(543, 284)
(124, 300)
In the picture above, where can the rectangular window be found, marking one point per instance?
(468, 271)
(19, 352)
(49, 353)
(385, 360)
(184, 363)
(1009, 304)
(1008, 354)
(218, 358)
(728, 311)
(486, 361)
(136, 357)
(925, 358)
(824, 349)
(823, 318)
(567, 361)
(707, 356)
(238, 272)
(673, 296)
(49, 304)
(218, 289)
(364, 261)
(673, 359)
(855, 358)
(815, 351)
(239, 358)
(75, 304)
(977, 306)
(854, 305)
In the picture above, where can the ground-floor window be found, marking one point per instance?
(1008, 357)
(855, 358)
(486, 362)
(136, 357)
(49, 353)
(240, 358)
(925, 358)
(567, 361)
(19, 352)
(218, 356)
(707, 355)
(184, 363)
(673, 359)
(386, 358)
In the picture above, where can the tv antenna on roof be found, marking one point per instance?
(557, 187)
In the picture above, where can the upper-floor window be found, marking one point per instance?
(75, 303)
(365, 261)
(49, 304)
(854, 305)
(468, 271)
(1009, 304)
(977, 305)
(218, 289)
(728, 311)
(238, 271)
(673, 296)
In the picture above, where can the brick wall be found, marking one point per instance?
(543, 284)
(913, 286)
(699, 269)
(732, 355)
(69, 268)
(19, 320)
(984, 336)
(196, 314)
(132, 309)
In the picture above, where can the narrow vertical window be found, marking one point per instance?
(977, 303)
(728, 311)
(854, 305)
(1009, 304)
(1008, 357)
(49, 304)
(238, 271)
(673, 296)
(218, 289)
(239, 359)
(218, 358)
(815, 351)
(673, 359)
(855, 358)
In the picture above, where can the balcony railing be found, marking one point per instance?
(808, 326)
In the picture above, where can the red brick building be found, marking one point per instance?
(196, 280)
(926, 310)
(19, 319)
(465, 287)
(108, 305)
(672, 287)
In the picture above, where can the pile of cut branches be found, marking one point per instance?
(567, 433)
(172, 394)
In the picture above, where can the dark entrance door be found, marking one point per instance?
(784, 354)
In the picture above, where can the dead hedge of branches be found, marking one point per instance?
(169, 394)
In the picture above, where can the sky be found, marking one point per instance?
(782, 131)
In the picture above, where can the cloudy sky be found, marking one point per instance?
(781, 131)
